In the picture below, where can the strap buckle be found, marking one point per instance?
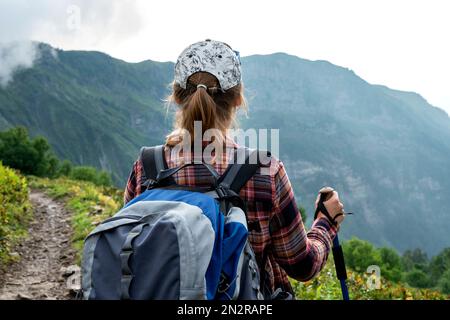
(222, 192)
(149, 183)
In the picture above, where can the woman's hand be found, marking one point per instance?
(333, 205)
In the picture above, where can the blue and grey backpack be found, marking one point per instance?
(176, 242)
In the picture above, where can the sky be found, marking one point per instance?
(403, 44)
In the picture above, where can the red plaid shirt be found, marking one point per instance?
(278, 235)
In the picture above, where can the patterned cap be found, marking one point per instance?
(210, 56)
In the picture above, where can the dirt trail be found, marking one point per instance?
(44, 255)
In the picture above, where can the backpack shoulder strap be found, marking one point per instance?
(246, 163)
(153, 161)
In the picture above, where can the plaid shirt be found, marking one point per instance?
(276, 230)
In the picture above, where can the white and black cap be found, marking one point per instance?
(210, 56)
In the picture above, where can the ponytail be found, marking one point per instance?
(200, 106)
(204, 101)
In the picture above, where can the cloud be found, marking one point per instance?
(69, 21)
(406, 51)
(71, 24)
(14, 56)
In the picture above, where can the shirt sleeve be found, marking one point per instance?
(133, 186)
(301, 254)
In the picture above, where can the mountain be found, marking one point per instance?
(92, 108)
(386, 151)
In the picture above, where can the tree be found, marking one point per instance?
(439, 265)
(391, 264)
(16, 150)
(360, 254)
(30, 156)
(444, 282)
(42, 149)
(416, 258)
(35, 157)
(417, 278)
(52, 167)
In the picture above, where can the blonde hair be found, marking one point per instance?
(214, 108)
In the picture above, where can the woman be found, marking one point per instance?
(208, 88)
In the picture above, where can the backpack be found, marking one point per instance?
(176, 242)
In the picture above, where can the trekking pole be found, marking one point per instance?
(339, 264)
(338, 254)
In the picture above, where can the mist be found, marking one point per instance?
(15, 56)
(72, 24)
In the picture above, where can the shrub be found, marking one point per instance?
(104, 179)
(15, 211)
(65, 168)
(326, 287)
(83, 173)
